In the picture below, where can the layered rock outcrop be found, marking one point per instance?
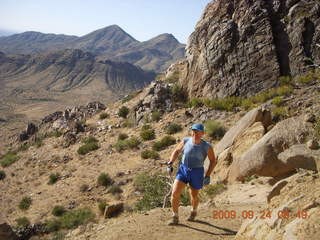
(242, 47)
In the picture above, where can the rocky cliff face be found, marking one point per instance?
(242, 47)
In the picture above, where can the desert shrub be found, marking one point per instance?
(306, 78)
(25, 203)
(102, 206)
(247, 104)
(133, 142)
(173, 128)
(123, 112)
(89, 147)
(213, 190)
(146, 127)
(104, 180)
(163, 143)
(279, 113)
(8, 159)
(114, 189)
(23, 222)
(128, 123)
(58, 211)
(178, 93)
(277, 101)
(53, 178)
(173, 78)
(120, 145)
(55, 133)
(155, 116)
(23, 147)
(150, 154)
(58, 236)
(53, 225)
(214, 129)
(84, 188)
(74, 218)
(89, 139)
(147, 134)
(2, 175)
(153, 187)
(249, 178)
(225, 104)
(195, 102)
(122, 136)
(284, 91)
(285, 80)
(103, 115)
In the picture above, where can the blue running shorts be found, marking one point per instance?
(193, 176)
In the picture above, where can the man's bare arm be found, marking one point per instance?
(176, 152)
(212, 160)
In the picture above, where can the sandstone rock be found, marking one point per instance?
(6, 232)
(255, 115)
(249, 137)
(299, 156)
(275, 191)
(113, 210)
(262, 158)
(221, 171)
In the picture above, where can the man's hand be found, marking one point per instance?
(206, 180)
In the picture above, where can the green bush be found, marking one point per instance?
(213, 190)
(185, 197)
(58, 211)
(155, 116)
(103, 115)
(163, 143)
(285, 80)
(53, 178)
(178, 93)
(284, 91)
(173, 128)
(279, 113)
(247, 104)
(277, 101)
(150, 154)
(74, 218)
(25, 203)
(147, 134)
(154, 188)
(102, 206)
(58, 236)
(225, 104)
(54, 134)
(8, 159)
(195, 102)
(89, 147)
(2, 175)
(128, 123)
(115, 189)
(104, 180)
(306, 78)
(53, 225)
(89, 139)
(214, 129)
(121, 145)
(23, 222)
(133, 142)
(146, 127)
(122, 136)
(123, 112)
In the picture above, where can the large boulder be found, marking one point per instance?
(255, 115)
(262, 158)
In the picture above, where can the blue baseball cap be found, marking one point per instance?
(198, 126)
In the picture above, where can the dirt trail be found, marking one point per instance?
(153, 225)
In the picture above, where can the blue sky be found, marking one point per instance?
(142, 19)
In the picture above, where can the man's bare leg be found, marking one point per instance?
(194, 194)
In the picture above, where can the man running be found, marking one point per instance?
(191, 170)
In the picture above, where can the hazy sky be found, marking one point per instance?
(142, 19)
